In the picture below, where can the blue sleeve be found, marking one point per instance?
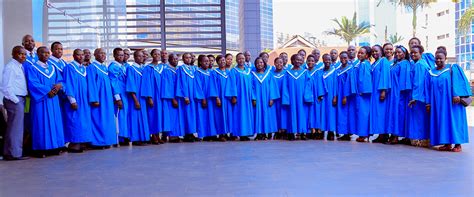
(384, 81)
(37, 90)
(346, 88)
(93, 90)
(181, 84)
(427, 87)
(460, 82)
(404, 80)
(274, 90)
(430, 60)
(199, 89)
(69, 81)
(365, 78)
(352, 80)
(285, 95)
(420, 71)
(148, 79)
(131, 84)
(213, 87)
(321, 86)
(254, 88)
(308, 94)
(167, 85)
(114, 73)
(231, 89)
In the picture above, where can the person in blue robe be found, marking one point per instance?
(342, 94)
(279, 74)
(428, 57)
(329, 101)
(220, 82)
(117, 74)
(100, 92)
(44, 83)
(206, 128)
(334, 55)
(78, 129)
(151, 90)
(445, 86)
(248, 60)
(398, 95)
(318, 90)
(56, 57)
(380, 83)
(170, 102)
(265, 91)
(186, 94)
(418, 120)
(28, 42)
(297, 94)
(137, 112)
(240, 92)
(361, 87)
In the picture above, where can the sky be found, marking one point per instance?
(314, 16)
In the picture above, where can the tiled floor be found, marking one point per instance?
(270, 168)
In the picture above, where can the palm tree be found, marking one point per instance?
(465, 21)
(395, 38)
(348, 30)
(413, 5)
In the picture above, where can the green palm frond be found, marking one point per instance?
(348, 29)
(464, 23)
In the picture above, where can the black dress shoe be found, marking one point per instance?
(244, 138)
(75, 150)
(10, 158)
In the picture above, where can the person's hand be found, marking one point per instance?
(428, 108)
(186, 100)
(344, 101)
(234, 100)
(456, 100)
(218, 102)
(412, 103)
(204, 103)
(174, 102)
(270, 103)
(119, 104)
(320, 98)
(51, 94)
(382, 95)
(74, 106)
(137, 105)
(254, 103)
(149, 101)
(95, 104)
(334, 101)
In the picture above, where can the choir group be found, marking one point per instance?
(403, 96)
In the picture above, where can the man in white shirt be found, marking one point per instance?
(14, 88)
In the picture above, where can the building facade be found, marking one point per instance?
(464, 42)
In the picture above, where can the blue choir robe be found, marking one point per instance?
(351, 99)
(118, 78)
(249, 65)
(204, 116)
(418, 120)
(281, 110)
(60, 64)
(448, 121)
(104, 131)
(328, 117)
(137, 118)
(241, 116)
(186, 88)
(31, 58)
(378, 108)
(265, 88)
(398, 98)
(430, 60)
(78, 127)
(220, 82)
(47, 125)
(317, 88)
(361, 87)
(168, 92)
(297, 94)
(336, 65)
(343, 90)
(151, 88)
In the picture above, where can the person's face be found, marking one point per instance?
(193, 58)
(126, 55)
(260, 65)
(57, 50)
(399, 54)
(362, 54)
(87, 54)
(247, 57)
(279, 64)
(139, 57)
(79, 56)
(187, 58)
(388, 50)
(20, 55)
(333, 54)
(413, 42)
(327, 61)
(352, 52)
(119, 56)
(440, 58)
(240, 60)
(211, 61)
(284, 58)
(29, 43)
(344, 58)
(205, 63)
(221, 63)
(415, 54)
(156, 56)
(228, 60)
(302, 54)
(164, 55)
(310, 62)
(43, 54)
(376, 52)
(316, 53)
(298, 61)
(173, 60)
(100, 56)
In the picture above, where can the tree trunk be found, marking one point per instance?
(414, 21)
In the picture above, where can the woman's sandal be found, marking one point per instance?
(360, 139)
(445, 148)
(457, 149)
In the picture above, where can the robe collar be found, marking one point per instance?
(188, 70)
(79, 68)
(311, 72)
(45, 69)
(375, 64)
(329, 72)
(319, 66)
(158, 68)
(337, 64)
(296, 74)
(222, 73)
(137, 68)
(259, 76)
(100, 67)
(440, 72)
(280, 74)
(347, 68)
(56, 62)
(246, 70)
(205, 72)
